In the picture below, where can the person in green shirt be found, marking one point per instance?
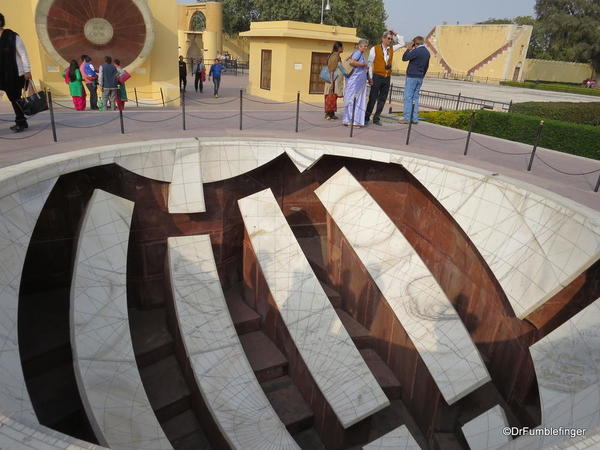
(74, 79)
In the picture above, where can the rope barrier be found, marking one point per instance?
(153, 121)
(310, 104)
(318, 126)
(25, 137)
(498, 151)
(63, 106)
(212, 118)
(7, 120)
(566, 173)
(88, 126)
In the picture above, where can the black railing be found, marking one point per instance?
(441, 101)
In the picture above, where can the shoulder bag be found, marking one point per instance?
(34, 102)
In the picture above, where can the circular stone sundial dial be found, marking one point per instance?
(119, 28)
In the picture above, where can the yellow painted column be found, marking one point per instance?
(213, 36)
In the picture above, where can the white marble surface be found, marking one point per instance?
(410, 289)
(19, 212)
(15, 435)
(533, 244)
(567, 367)
(485, 431)
(397, 439)
(324, 344)
(105, 368)
(228, 385)
(186, 194)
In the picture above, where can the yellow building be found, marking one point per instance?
(567, 72)
(286, 57)
(200, 30)
(56, 32)
(479, 52)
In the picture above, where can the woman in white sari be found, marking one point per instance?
(356, 87)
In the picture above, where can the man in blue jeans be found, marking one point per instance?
(417, 56)
(215, 73)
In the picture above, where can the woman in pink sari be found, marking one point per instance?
(73, 79)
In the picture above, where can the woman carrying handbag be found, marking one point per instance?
(334, 88)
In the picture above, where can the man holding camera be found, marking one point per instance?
(381, 58)
(417, 56)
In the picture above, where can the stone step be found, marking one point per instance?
(150, 335)
(166, 388)
(181, 425)
(265, 358)
(359, 334)
(55, 392)
(334, 297)
(244, 318)
(447, 441)
(309, 440)
(194, 441)
(289, 404)
(383, 374)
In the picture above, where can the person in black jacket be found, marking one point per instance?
(417, 56)
(182, 74)
(14, 70)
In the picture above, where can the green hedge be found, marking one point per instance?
(553, 87)
(586, 113)
(574, 138)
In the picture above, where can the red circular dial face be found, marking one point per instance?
(96, 28)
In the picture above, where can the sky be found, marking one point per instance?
(413, 18)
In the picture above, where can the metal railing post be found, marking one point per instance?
(510, 106)
(162, 97)
(597, 184)
(241, 107)
(412, 111)
(51, 106)
(458, 100)
(121, 119)
(469, 134)
(390, 100)
(183, 108)
(297, 109)
(535, 145)
(136, 98)
(353, 113)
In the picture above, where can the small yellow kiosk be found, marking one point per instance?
(286, 57)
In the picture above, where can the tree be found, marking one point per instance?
(571, 29)
(367, 16)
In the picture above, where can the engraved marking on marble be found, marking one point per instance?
(485, 432)
(414, 295)
(533, 244)
(328, 351)
(186, 194)
(105, 367)
(19, 212)
(98, 31)
(567, 367)
(226, 380)
(397, 439)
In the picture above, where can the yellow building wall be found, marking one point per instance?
(567, 72)
(149, 77)
(211, 38)
(237, 47)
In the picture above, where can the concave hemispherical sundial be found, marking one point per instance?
(119, 28)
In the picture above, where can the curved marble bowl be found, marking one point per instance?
(534, 243)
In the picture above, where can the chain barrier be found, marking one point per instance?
(153, 121)
(188, 114)
(439, 139)
(566, 173)
(7, 120)
(211, 103)
(498, 151)
(269, 120)
(26, 137)
(318, 126)
(63, 106)
(268, 103)
(88, 126)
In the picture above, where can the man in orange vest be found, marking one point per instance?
(381, 58)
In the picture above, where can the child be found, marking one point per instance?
(215, 71)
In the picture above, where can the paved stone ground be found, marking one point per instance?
(210, 117)
(496, 92)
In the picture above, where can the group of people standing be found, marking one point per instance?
(199, 71)
(358, 72)
(110, 77)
